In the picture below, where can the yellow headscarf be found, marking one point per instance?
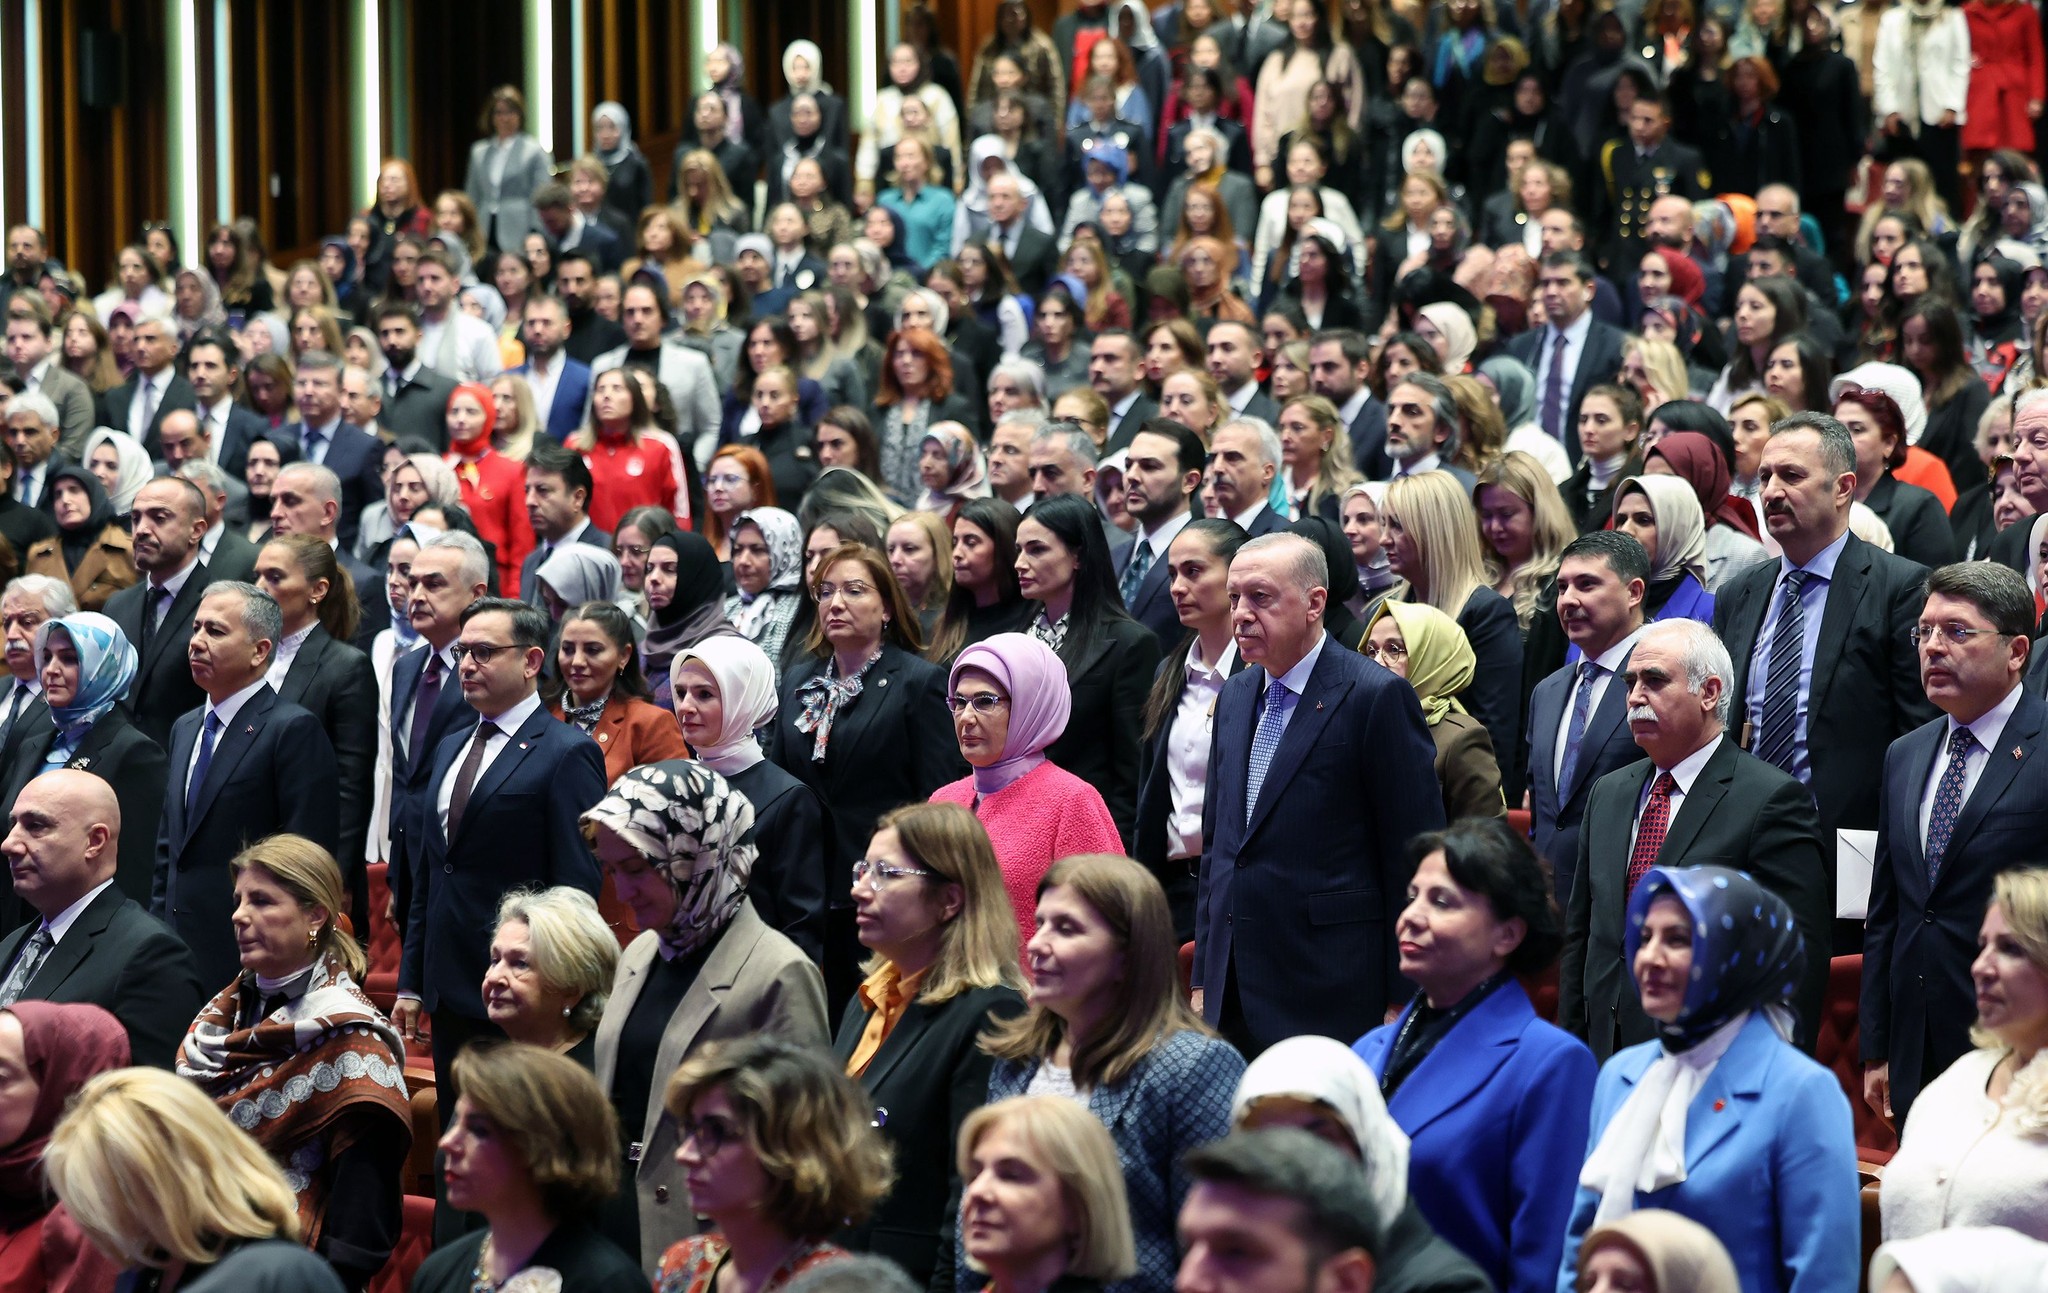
(1440, 658)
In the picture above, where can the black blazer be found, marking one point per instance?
(1921, 935)
(409, 767)
(163, 688)
(234, 558)
(32, 723)
(1037, 260)
(117, 402)
(1153, 604)
(120, 958)
(1122, 431)
(267, 767)
(589, 1262)
(373, 608)
(928, 1075)
(417, 416)
(790, 883)
(1599, 361)
(1369, 440)
(116, 752)
(334, 683)
(529, 571)
(1108, 686)
(1768, 153)
(1495, 694)
(1866, 675)
(893, 746)
(1742, 813)
(520, 828)
(355, 456)
(245, 427)
(1917, 520)
(1556, 811)
(1150, 844)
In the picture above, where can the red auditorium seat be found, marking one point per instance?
(382, 984)
(1837, 1049)
(1187, 968)
(1519, 819)
(415, 1241)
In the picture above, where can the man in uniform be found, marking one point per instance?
(1636, 172)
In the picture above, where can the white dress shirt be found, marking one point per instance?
(214, 422)
(509, 724)
(29, 484)
(227, 710)
(1242, 396)
(1161, 539)
(175, 585)
(1609, 662)
(149, 395)
(542, 377)
(1187, 749)
(209, 542)
(1687, 772)
(1427, 462)
(325, 432)
(1990, 725)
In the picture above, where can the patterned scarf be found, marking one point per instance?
(691, 826)
(823, 696)
(585, 716)
(1051, 632)
(292, 1077)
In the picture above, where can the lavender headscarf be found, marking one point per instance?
(1040, 702)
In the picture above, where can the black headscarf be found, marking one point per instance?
(2006, 325)
(696, 612)
(1328, 536)
(79, 539)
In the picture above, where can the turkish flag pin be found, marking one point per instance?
(1719, 1105)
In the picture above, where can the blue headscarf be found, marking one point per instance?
(1746, 950)
(106, 668)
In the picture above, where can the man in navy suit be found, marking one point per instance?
(321, 437)
(1575, 733)
(155, 612)
(561, 386)
(1965, 797)
(244, 765)
(1339, 364)
(306, 499)
(558, 487)
(1162, 471)
(1320, 773)
(555, 205)
(449, 573)
(499, 811)
(1573, 352)
(226, 428)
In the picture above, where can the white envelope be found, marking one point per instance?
(1855, 859)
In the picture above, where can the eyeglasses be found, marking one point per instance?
(481, 652)
(880, 875)
(986, 702)
(634, 550)
(726, 481)
(1957, 634)
(853, 588)
(711, 1134)
(1391, 651)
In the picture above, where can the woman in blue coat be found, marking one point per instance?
(1722, 1119)
(1493, 1099)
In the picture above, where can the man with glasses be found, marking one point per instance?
(1963, 800)
(499, 811)
(1777, 216)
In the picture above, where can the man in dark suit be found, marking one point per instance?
(1339, 363)
(415, 396)
(561, 385)
(558, 489)
(1113, 372)
(1573, 352)
(32, 349)
(28, 601)
(1034, 255)
(1235, 354)
(1244, 457)
(571, 230)
(323, 439)
(138, 405)
(305, 499)
(63, 838)
(1162, 471)
(1827, 717)
(1576, 734)
(156, 613)
(229, 557)
(1635, 172)
(1696, 800)
(1965, 797)
(32, 428)
(227, 428)
(246, 764)
(499, 810)
(1423, 426)
(590, 333)
(1320, 773)
(335, 682)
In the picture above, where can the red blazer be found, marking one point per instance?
(494, 491)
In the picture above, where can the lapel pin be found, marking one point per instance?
(1719, 1105)
(2017, 752)
(1319, 704)
(249, 730)
(522, 745)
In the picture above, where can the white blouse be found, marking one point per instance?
(1966, 1160)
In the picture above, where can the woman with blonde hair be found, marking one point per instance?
(1428, 649)
(518, 418)
(1482, 427)
(1654, 370)
(706, 204)
(1909, 191)
(1525, 527)
(1120, 1037)
(296, 1053)
(1656, 1250)
(943, 967)
(1315, 449)
(919, 546)
(1087, 1243)
(314, 327)
(1432, 539)
(89, 352)
(553, 959)
(1191, 397)
(165, 1185)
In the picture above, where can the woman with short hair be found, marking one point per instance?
(551, 967)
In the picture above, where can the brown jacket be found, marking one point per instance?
(107, 567)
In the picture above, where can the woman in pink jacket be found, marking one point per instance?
(1009, 699)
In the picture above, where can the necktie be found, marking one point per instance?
(15, 700)
(25, 966)
(1582, 709)
(391, 382)
(148, 404)
(311, 443)
(1650, 833)
(1134, 574)
(1553, 391)
(465, 778)
(1948, 798)
(423, 702)
(1780, 722)
(207, 739)
(1265, 740)
(152, 611)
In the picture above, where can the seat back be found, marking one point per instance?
(381, 984)
(1838, 1048)
(415, 1241)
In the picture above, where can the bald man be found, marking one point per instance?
(91, 941)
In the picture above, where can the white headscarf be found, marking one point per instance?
(1681, 528)
(616, 114)
(1459, 334)
(1328, 1072)
(135, 467)
(1897, 382)
(746, 693)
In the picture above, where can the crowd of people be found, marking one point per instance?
(1238, 648)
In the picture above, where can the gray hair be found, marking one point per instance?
(856, 1273)
(476, 563)
(1705, 656)
(1270, 451)
(1023, 372)
(262, 617)
(573, 949)
(1068, 434)
(321, 481)
(159, 315)
(56, 595)
(320, 360)
(942, 314)
(1443, 407)
(1837, 446)
(1305, 564)
(1219, 147)
(37, 405)
(2028, 399)
(205, 475)
(370, 384)
(1033, 418)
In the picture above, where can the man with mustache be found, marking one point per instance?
(1696, 800)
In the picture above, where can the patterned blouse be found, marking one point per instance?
(692, 1266)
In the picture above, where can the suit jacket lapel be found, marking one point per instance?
(1717, 1111)
(1600, 726)
(235, 741)
(181, 607)
(305, 665)
(1612, 858)
(1447, 1076)
(902, 1039)
(2021, 736)
(721, 970)
(1312, 711)
(1845, 590)
(518, 745)
(1546, 711)
(1745, 621)
(1925, 748)
(853, 720)
(1701, 802)
(72, 949)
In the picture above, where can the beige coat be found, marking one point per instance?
(107, 567)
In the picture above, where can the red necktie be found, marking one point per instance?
(1650, 834)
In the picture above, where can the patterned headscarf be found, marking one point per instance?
(691, 825)
(106, 667)
(966, 469)
(784, 535)
(1746, 951)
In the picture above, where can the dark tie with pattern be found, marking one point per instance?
(1948, 798)
(1780, 720)
(207, 740)
(1650, 833)
(465, 778)
(1582, 710)
(423, 702)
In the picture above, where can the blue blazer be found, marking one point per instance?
(1496, 1119)
(519, 829)
(1178, 1097)
(1300, 902)
(565, 416)
(1770, 1164)
(1556, 811)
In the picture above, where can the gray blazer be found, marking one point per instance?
(76, 411)
(755, 981)
(527, 167)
